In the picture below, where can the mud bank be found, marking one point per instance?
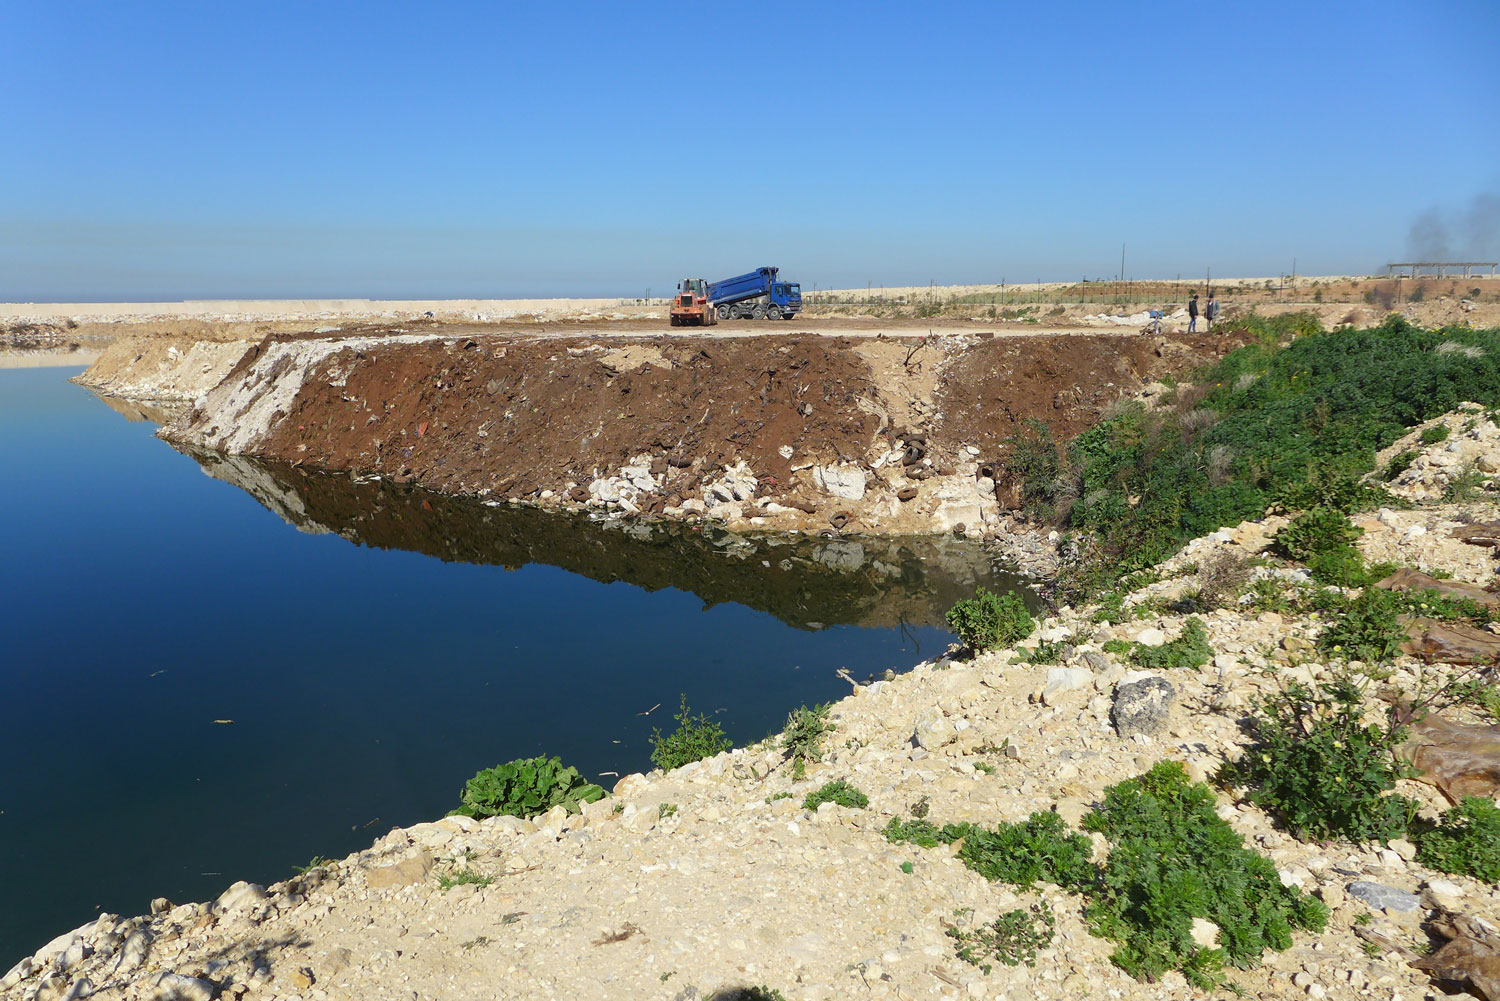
(884, 435)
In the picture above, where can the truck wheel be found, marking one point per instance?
(757, 312)
(723, 312)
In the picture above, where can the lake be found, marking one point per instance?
(214, 669)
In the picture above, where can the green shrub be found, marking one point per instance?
(1033, 459)
(839, 792)
(696, 738)
(526, 787)
(1118, 647)
(921, 832)
(1039, 848)
(1434, 434)
(1321, 530)
(1013, 938)
(1481, 695)
(1367, 629)
(1189, 651)
(1321, 769)
(1400, 463)
(1466, 840)
(990, 620)
(806, 727)
(1173, 859)
(1046, 652)
(1300, 424)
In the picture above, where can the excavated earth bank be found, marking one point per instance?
(899, 435)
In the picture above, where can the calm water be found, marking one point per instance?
(373, 647)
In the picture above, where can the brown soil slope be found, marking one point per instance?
(547, 418)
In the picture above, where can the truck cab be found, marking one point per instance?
(786, 298)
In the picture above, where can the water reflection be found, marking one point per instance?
(804, 581)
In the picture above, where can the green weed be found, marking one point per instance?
(463, 877)
(990, 620)
(839, 792)
(1465, 840)
(1012, 938)
(1189, 651)
(1321, 769)
(806, 729)
(696, 737)
(1173, 859)
(526, 787)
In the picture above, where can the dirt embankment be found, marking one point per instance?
(874, 435)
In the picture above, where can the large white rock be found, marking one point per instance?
(844, 480)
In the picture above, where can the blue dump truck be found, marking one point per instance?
(758, 295)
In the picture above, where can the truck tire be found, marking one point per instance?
(757, 312)
(723, 312)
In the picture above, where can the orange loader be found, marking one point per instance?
(692, 307)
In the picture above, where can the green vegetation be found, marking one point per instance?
(462, 877)
(1120, 648)
(1321, 769)
(526, 787)
(665, 810)
(1013, 938)
(1040, 848)
(839, 792)
(1481, 695)
(1288, 423)
(1465, 840)
(316, 862)
(1366, 628)
(806, 729)
(1400, 463)
(1173, 859)
(1188, 651)
(1434, 434)
(1323, 538)
(990, 620)
(696, 738)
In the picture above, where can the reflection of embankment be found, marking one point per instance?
(132, 410)
(805, 582)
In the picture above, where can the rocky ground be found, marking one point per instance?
(714, 876)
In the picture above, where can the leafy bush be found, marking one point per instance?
(1174, 859)
(1434, 434)
(839, 792)
(990, 620)
(462, 877)
(1321, 769)
(1367, 629)
(1012, 938)
(696, 738)
(1321, 530)
(1033, 458)
(806, 727)
(1039, 848)
(1301, 423)
(1400, 463)
(1188, 651)
(526, 787)
(1466, 840)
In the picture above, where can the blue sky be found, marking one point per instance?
(171, 150)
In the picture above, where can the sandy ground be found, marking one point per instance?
(49, 359)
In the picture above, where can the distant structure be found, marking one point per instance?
(1443, 266)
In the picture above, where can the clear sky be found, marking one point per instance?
(266, 149)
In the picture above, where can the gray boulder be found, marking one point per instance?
(1382, 897)
(1141, 705)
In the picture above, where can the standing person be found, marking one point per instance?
(1193, 314)
(1210, 312)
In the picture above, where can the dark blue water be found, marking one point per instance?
(142, 600)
